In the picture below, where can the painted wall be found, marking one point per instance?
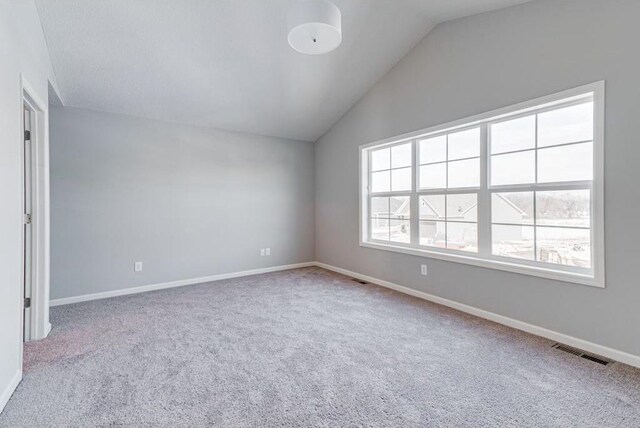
(477, 64)
(188, 202)
(22, 51)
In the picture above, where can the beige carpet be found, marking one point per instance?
(305, 347)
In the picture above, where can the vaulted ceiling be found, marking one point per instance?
(226, 63)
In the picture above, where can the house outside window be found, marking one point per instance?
(517, 189)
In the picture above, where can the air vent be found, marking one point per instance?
(567, 349)
(596, 359)
(582, 354)
(359, 280)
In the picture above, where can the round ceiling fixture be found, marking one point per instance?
(315, 27)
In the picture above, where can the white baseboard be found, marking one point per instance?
(171, 284)
(8, 391)
(614, 354)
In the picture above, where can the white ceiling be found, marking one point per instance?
(226, 63)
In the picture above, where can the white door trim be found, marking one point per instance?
(39, 314)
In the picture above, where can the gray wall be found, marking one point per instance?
(476, 64)
(187, 201)
(23, 52)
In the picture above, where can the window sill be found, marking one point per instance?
(541, 272)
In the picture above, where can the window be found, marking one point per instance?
(518, 189)
(391, 183)
(448, 192)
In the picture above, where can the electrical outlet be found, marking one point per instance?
(137, 267)
(262, 251)
(423, 270)
(268, 251)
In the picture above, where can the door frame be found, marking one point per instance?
(40, 226)
(28, 236)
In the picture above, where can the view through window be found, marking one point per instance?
(516, 188)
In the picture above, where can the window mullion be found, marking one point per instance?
(535, 198)
(446, 215)
(414, 218)
(543, 187)
(367, 205)
(484, 201)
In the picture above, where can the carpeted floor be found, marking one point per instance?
(305, 347)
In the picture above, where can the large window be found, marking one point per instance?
(517, 189)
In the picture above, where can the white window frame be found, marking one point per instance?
(483, 258)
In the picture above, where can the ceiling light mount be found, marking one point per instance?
(315, 27)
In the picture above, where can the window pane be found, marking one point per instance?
(564, 208)
(400, 207)
(514, 168)
(433, 176)
(512, 241)
(465, 144)
(566, 125)
(512, 135)
(379, 207)
(381, 181)
(401, 156)
(462, 236)
(462, 207)
(464, 173)
(566, 163)
(432, 207)
(400, 231)
(512, 208)
(401, 179)
(433, 150)
(432, 233)
(380, 159)
(380, 229)
(564, 246)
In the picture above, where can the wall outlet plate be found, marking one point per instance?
(137, 267)
(423, 270)
(262, 251)
(268, 251)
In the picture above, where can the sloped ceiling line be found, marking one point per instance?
(227, 64)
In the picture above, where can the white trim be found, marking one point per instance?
(597, 210)
(593, 276)
(172, 284)
(8, 391)
(506, 266)
(614, 354)
(39, 312)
